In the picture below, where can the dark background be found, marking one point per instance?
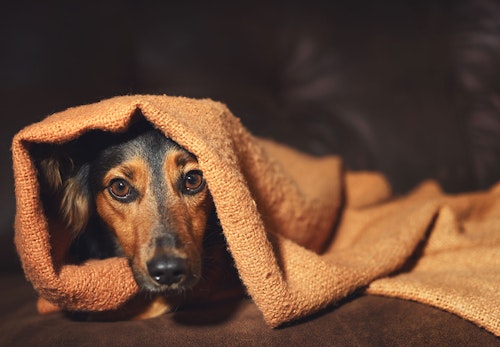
(408, 88)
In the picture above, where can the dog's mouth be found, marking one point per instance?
(166, 274)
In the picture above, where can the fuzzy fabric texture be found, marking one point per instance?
(304, 234)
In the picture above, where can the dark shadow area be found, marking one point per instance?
(208, 314)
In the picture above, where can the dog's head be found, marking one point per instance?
(150, 194)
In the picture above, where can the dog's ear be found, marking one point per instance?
(65, 190)
(51, 175)
(75, 201)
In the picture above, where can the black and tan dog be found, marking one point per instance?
(143, 197)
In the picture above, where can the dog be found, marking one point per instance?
(141, 196)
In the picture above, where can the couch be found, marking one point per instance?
(409, 90)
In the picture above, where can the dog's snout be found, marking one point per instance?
(167, 270)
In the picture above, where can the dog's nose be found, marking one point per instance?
(167, 270)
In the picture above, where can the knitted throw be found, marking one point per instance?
(303, 233)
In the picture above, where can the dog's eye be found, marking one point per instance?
(193, 182)
(120, 190)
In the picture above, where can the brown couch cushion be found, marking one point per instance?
(363, 321)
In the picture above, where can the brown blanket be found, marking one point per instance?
(303, 233)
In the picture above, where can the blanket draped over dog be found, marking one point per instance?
(303, 233)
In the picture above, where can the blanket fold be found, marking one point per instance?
(303, 233)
